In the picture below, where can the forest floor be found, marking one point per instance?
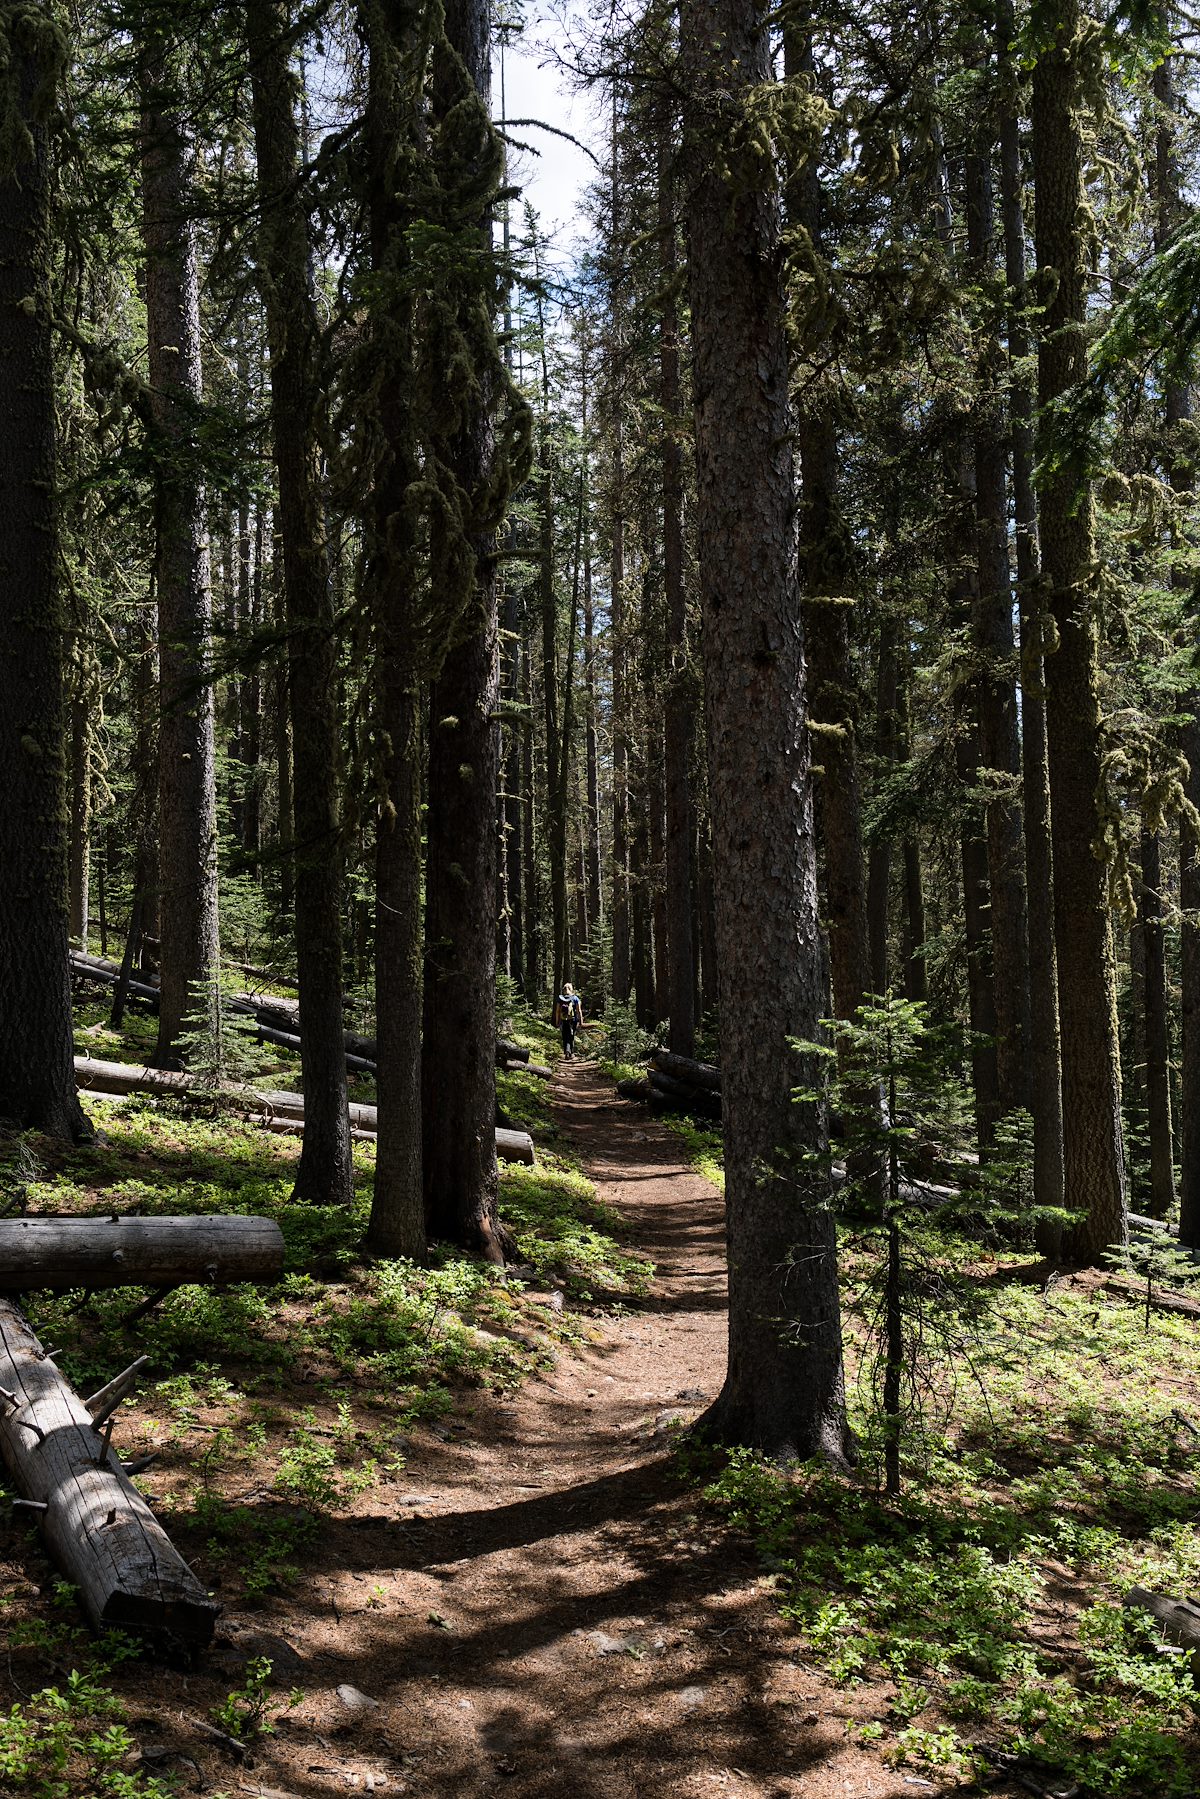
(453, 1518)
(545, 1613)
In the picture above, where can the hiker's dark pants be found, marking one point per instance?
(568, 1035)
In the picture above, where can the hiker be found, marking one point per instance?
(568, 1016)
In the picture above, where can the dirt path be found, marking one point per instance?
(543, 1612)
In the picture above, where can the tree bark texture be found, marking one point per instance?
(397, 1224)
(461, 1183)
(187, 795)
(996, 689)
(37, 1087)
(783, 1390)
(680, 701)
(325, 1174)
(1045, 1065)
(97, 1526)
(1092, 1149)
(58, 1254)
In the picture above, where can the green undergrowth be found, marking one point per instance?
(306, 1392)
(987, 1596)
(705, 1147)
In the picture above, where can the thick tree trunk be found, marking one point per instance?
(397, 1224)
(1093, 1156)
(783, 1390)
(325, 1174)
(37, 1087)
(187, 794)
(459, 1058)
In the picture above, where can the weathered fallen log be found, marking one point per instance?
(514, 1146)
(682, 1068)
(64, 1253)
(122, 1078)
(683, 1095)
(96, 1525)
(509, 1052)
(1179, 1618)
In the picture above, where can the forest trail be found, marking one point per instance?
(543, 1612)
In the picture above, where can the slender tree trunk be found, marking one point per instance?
(879, 859)
(595, 890)
(783, 1390)
(1157, 1033)
(516, 803)
(618, 501)
(37, 1078)
(325, 1174)
(81, 819)
(1045, 1065)
(826, 566)
(187, 760)
(1093, 1157)
(679, 996)
(252, 714)
(992, 633)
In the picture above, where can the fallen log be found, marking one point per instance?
(682, 1068)
(285, 1040)
(60, 1254)
(1158, 1299)
(514, 1146)
(509, 1052)
(1179, 1618)
(684, 1096)
(96, 1525)
(119, 1078)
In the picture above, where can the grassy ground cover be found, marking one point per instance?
(272, 1410)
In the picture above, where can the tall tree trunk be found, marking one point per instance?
(595, 890)
(325, 1174)
(1092, 1150)
(459, 1059)
(1178, 408)
(996, 688)
(618, 502)
(783, 1391)
(555, 813)
(879, 858)
(187, 802)
(677, 746)
(37, 1077)
(1045, 1064)
(826, 566)
(397, 1223)
(252, 709)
